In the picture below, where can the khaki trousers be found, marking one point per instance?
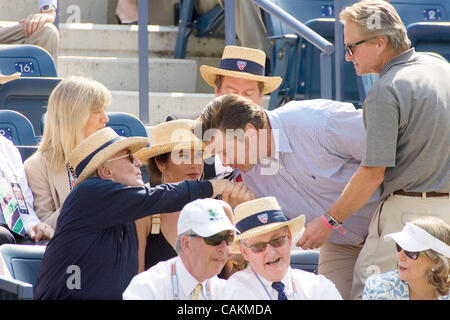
(336, 263)
(47, 38)
(379, 256)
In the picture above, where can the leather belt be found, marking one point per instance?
(421, 194)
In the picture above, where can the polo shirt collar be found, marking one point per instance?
(399, 59)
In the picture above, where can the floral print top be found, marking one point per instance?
(388, 286)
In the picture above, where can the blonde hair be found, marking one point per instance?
(378, 18)
(69, 107)
(438, 276)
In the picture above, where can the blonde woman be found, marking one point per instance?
(176, 155)
(76, 109)
(423, 259)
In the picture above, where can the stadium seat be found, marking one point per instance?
(422, 10)
(30, 60)
(28, 96)
(305, 260)
(22, 261)
(208, 25)
(431, 37)
(126, 125)
(16, 127)
(11, 289)
(299, 66)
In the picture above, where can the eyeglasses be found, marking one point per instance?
(409, 254)
(261, 246)
(349, 47)
(129, 155)
(217, 239)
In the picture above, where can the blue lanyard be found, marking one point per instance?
(176, 287)
(267, 292)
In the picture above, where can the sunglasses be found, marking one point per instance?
(409, 254)
(261, 246)
(350, 47)
(129, 155)
(217, 239)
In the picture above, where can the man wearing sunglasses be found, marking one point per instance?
(205, 233)
(407, 119)
(265, 242)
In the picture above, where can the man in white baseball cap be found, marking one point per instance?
(205, 232)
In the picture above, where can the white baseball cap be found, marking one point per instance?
(415, 239)
(206, 217)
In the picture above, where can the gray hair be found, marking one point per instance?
(178, 247)
(378, 18)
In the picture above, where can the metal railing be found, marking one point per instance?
(144, 112)
(311, 36)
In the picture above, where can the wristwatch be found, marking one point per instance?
(48, 8)
(332, 221)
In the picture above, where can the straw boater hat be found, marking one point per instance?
(169, 136)
(93, 151)
(260, 216)
(6, 78)
(241, 62)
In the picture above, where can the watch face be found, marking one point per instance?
(332, 222)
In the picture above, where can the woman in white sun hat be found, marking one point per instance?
(423, 271)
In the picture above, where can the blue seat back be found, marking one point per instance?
(422, 10)
(23, 261)
(17, 128)
(12, 289)
(126, 124)
(30, 60)
(28, 96)
(305, 260)
(431, 37)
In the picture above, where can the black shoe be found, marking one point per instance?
(125, 22)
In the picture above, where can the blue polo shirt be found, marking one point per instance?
(93, 253)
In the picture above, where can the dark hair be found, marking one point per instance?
(219, 79)
(153, 170)
(230, 111)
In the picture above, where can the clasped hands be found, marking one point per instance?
(233, 193)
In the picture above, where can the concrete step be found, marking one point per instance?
(100, 40)
(89, 39)
(165, 75)
(162, 104)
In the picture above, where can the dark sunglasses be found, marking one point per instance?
(261, 246)
(350, 47)
(409, 254)
(217, 239)
(129, 155)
